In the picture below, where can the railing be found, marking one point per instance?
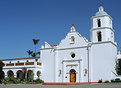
(19, 64)
(38, 63)
(23, 64)
(29, 63)
(11, 64)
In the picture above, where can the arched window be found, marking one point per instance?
(72, 39)
(99, 36)
(98, 22)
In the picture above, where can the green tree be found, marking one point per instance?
(118, 66)
(29, 52)
(1, 67)
(36, 41)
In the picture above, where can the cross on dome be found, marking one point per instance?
(73, 28)
(101, 11)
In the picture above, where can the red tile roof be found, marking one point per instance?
(54, 46)
(21, 58)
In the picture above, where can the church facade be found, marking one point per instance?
(74, 59)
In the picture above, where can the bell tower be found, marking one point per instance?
(102, 29)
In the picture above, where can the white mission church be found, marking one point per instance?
(75, 59)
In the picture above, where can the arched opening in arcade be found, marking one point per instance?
(20, 74)
(29, 73)
(10, 73)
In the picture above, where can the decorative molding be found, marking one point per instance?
(101, 28)
(72, 60)
(104, 42)
(73, 48)
(21, 67)
(71, 65)
(101, 16)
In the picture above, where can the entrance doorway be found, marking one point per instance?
(72, 75)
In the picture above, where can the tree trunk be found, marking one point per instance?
(35, 49)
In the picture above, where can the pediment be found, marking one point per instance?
(73, 39)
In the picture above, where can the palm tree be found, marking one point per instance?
(38, 53)
(35, 43)
(120, 49)
(34, 54)
(29, 52)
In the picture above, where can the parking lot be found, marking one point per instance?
(60, 86)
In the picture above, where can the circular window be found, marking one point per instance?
(73, 55)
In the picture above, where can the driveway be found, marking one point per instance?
(61, 86)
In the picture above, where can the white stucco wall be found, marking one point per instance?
(48, 65)
(103, 56)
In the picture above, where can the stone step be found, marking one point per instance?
(66, 83)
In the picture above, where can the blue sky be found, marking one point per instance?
(48, 20)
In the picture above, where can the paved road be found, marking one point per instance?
(61, 86)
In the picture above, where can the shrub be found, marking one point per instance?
(38, 80)
(30, 79)
(11, 80)
(106, 81)
(112, 80)
(100, 81)
(6, 80)
(117, 80)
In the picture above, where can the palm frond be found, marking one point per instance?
(35, 41)
(34, 54)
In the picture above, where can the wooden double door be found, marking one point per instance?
(72, 75)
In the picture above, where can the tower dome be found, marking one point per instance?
(101, 12)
